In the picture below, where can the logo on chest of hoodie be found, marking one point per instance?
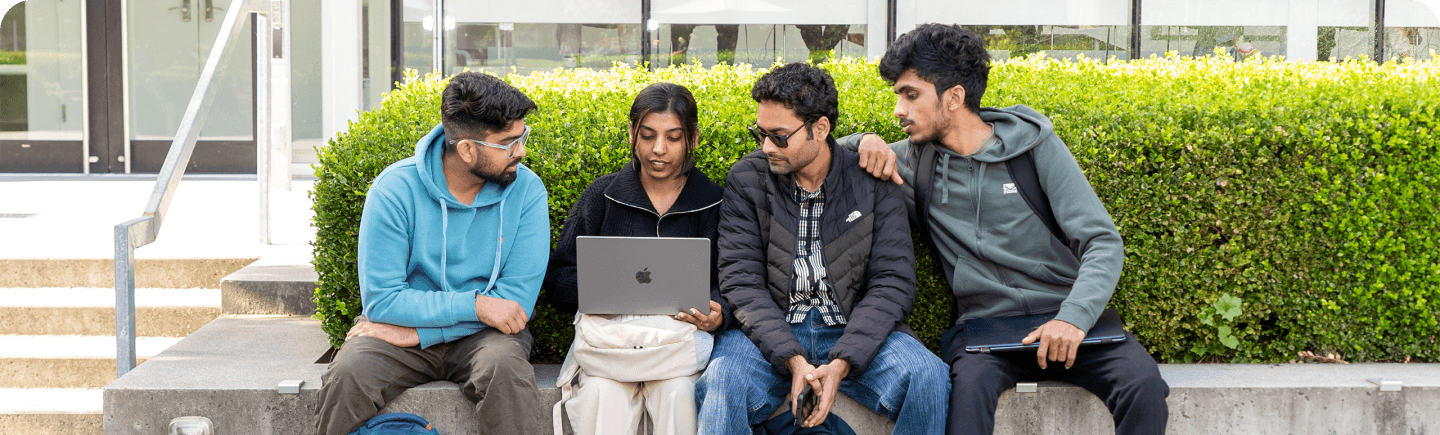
(1009, 188)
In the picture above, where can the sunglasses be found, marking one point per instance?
(780, 141)
(509, 148)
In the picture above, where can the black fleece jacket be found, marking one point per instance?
(616, 205)
(865, 239)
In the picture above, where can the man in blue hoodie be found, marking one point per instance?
(453, 247)
(999, 257)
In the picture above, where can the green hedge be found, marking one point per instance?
(12, 58)
(1268, 208)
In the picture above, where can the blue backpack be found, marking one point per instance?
(396, 423)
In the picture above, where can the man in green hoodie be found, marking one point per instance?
(998, 255)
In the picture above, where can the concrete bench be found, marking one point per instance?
(228, 371)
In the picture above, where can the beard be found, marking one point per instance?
(928, 133)
(922, 134)
(781, 167)
(502, 176)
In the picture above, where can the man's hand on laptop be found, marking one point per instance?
(878, 159)
(706, 323)
(503, 314)
(398, 336)
(826, 382)
(1058, 342)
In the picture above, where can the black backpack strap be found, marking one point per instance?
(1027, 181)
(924, 183)
(924, 188)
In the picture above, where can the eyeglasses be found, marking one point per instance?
(509, 148)
(780, 141)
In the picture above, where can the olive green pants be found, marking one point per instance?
(492, 369)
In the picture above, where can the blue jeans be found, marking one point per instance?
(905, 382)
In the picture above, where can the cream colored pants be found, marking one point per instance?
(605, 407)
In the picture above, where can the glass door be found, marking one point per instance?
(169, 41)
(41, 87)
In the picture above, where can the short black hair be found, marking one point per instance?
(946, 55)
(667, 98)
(803, 88)
(475, 104)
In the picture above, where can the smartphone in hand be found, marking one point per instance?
(808, 402)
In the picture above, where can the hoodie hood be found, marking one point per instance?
(430, 153)
(1019, 129)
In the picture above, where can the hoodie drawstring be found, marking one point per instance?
(499, 243)
(445, 247)
(944, 185)
(979, 191)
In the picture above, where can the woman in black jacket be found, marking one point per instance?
(659, 193)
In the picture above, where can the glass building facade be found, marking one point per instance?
(49, 49)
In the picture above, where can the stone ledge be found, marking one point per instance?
(229, 369)
(269, 289)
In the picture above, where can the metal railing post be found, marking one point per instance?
(142, 231)
(128, 235)
(260, 47)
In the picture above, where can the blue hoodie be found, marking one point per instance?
(413, 231)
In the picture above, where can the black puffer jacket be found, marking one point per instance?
(866, 243)
(616, 205)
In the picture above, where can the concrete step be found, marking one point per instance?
(100, 272)
(302, 171)
(269, 288)
(302, 155)
(228, 371)
(66, 361)
(91, 311)
(50, 411)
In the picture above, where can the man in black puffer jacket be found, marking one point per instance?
(815, 257)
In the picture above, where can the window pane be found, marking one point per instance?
(540, 35)
(1412, 30)
(757, 32)
(41, 93)
(757, 44)
(415, 32)
(305, 77)
(1097, 29)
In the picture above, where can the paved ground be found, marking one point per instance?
(209, 217)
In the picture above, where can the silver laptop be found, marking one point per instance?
(642, 275)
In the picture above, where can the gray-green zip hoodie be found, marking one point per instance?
(1001, 258)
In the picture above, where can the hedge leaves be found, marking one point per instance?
(1268, 208)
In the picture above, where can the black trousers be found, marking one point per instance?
(1123, 375)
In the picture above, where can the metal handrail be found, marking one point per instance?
(141, 231)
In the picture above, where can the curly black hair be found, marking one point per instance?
(803, 88)
(475, 104)
(946, 55)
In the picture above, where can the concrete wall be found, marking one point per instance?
(228, 371)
